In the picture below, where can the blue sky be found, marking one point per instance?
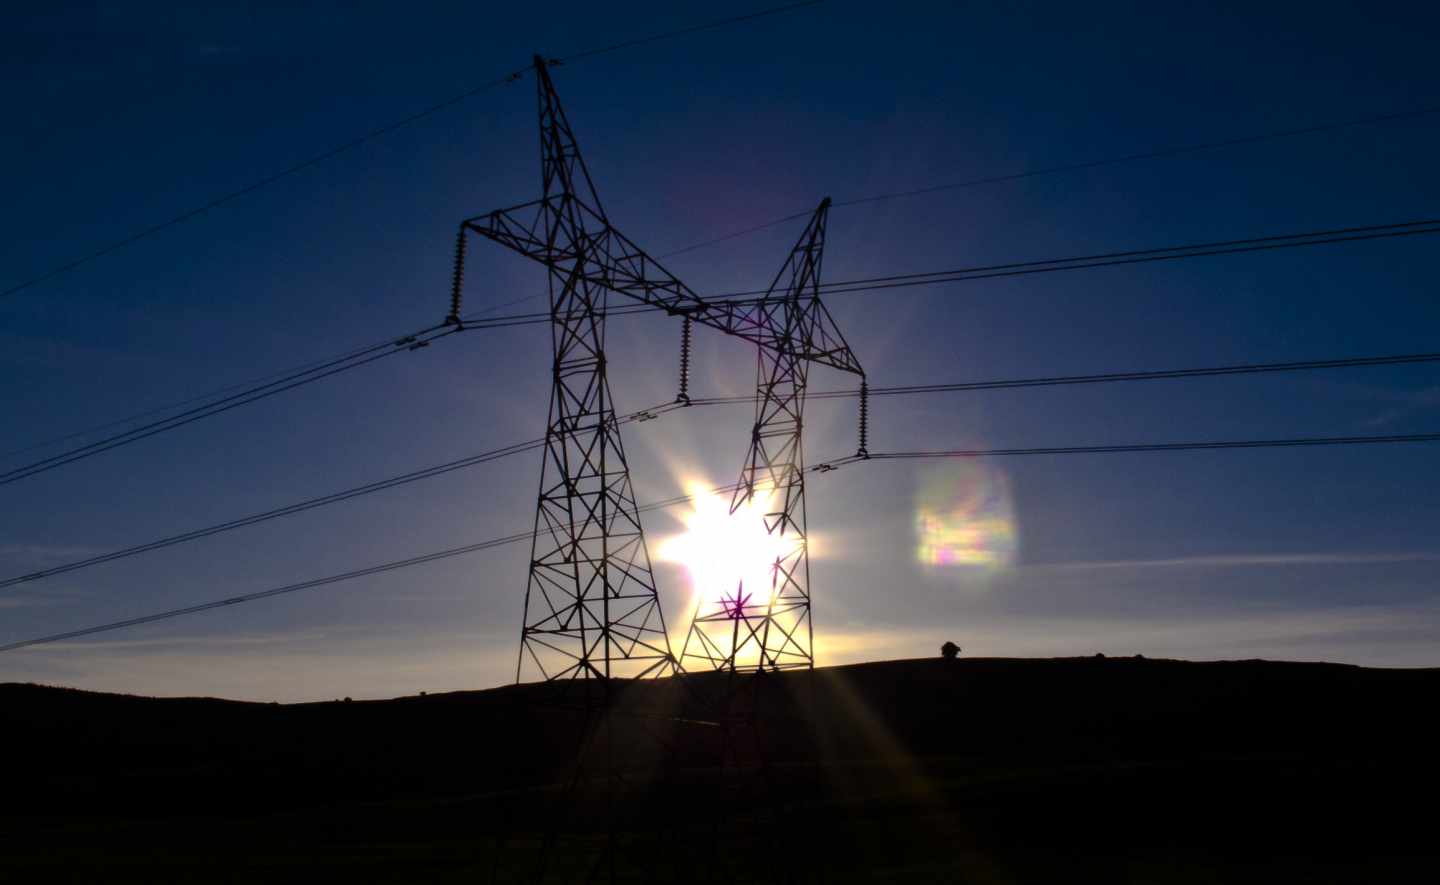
(120, 118)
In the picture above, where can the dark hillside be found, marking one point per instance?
(1104, 770)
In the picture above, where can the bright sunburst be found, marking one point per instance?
(721, 550)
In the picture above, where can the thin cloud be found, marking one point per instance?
(169, 642)
(1411, 403)
(25, 601)
(49, 552)
(1241, 560)
(319, 665)
(1356, 634)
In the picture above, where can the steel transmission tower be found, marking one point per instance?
(768, 627)
(591, 610)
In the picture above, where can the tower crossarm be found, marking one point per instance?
(756, 321)
(613, 261)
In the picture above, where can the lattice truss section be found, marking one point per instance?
(768, 627)
(591, 608)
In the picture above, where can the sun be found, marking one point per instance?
(724, 551)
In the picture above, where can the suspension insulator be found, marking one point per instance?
(863, 451)
(457, 283)
(683, 396)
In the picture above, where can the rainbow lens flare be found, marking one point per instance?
(964, 516)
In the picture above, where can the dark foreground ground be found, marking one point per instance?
(979, 771)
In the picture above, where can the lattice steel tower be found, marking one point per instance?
(768, 627)
(591, 610)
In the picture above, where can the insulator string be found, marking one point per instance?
(457, 283)
(686, 331)
(863, 451)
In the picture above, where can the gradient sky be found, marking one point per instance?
(121, 117)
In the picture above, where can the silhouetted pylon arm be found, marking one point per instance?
(613, 261)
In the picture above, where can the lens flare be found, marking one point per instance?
(964, 516)
(720, 549)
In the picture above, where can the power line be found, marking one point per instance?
(655, 411)
(1145, 447)
(245, 397)
(735, 235)
(266, 594)
(316, 582)
(1136, 256)
(853, 286)
(231, 196)
(822, 467)
(288, 510)
(373, 134)
(842, 287)
(1066, 380)
(280, 373)
(1076, 167)
(1050, 265)
(310, 503)
(1148, 155)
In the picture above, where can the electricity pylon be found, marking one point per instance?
(591, 610)
(768, 627)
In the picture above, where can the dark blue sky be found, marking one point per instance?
(121, 117)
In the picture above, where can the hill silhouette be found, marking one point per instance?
(970, 770)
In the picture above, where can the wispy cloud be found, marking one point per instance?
(49, 552)
(322, 664)
(1241, 560)
(315, 665)
(1408, 403)
(164, 643)
(26, 601)
(1370, 635)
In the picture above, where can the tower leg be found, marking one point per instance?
(591, 608)
(769, 626)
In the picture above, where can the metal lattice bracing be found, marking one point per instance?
(768, 627)
(591, 609)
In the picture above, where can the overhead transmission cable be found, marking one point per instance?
(1104, 378)
(655, 411)
(245, 397)
(1020, 268)
(1157, 154)
(319, 582)
(310, 503)
(517, 74)
(1294, 442)
(822, 467)
(1133, 256)
(1160, 153)
(251, 382)
(287, 510)
(372, 135)
(842, 287)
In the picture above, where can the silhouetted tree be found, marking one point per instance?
(949, 650)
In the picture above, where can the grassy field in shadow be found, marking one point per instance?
(974, 770)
